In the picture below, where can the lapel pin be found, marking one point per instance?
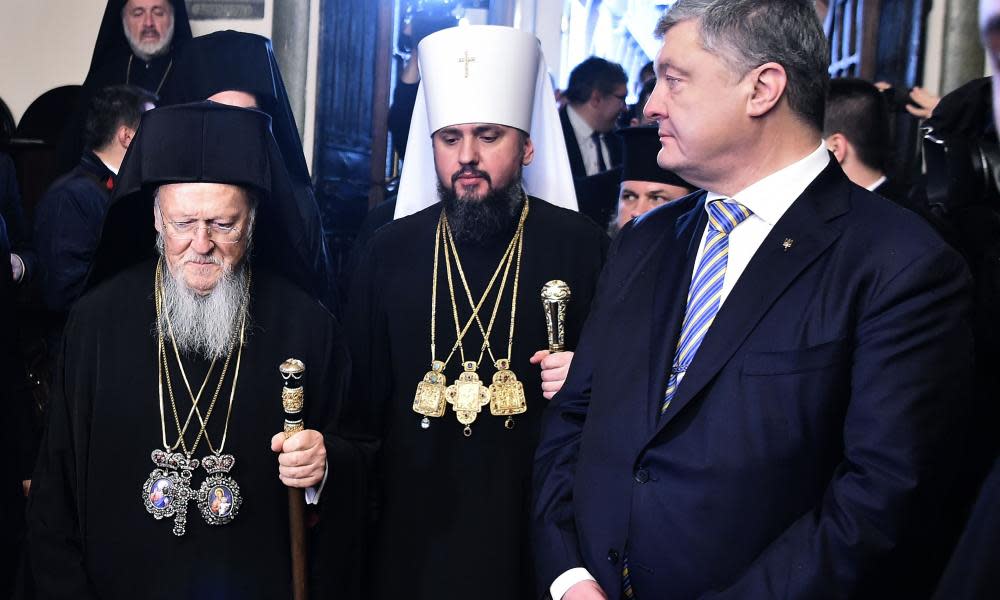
(788, 243)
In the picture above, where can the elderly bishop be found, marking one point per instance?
(161, 473)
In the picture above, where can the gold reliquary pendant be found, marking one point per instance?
(468, 396)
(429, 399)
(506, 394)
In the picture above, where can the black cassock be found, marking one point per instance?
(451, 512)
(90, 533)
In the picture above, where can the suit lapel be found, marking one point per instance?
(614, 143)
(669, 299)
(771, 270)
(576, 165)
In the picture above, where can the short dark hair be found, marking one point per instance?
(856, 109)
(112, 107)
(594, 74)
(647, 69)
(748, 33)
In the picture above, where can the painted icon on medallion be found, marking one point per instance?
(222, 500)
(159, 493)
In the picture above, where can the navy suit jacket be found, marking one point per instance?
(806, 453)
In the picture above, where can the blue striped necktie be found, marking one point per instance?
(705, 293)
(704, 299)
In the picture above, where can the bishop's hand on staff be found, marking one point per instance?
(157, 473)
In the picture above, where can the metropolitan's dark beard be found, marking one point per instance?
(477, 220)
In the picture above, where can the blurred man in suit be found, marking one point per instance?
(595, 99)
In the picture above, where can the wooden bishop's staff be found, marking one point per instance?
(293, 401)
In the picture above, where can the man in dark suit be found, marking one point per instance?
(70, 215)
(856, 130)
(767, 397)
(595, 99)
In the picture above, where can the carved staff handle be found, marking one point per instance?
(555, 300)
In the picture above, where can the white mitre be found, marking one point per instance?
(485, 74)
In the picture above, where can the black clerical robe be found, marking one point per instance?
(89, 533)
(451, 512)
(12, 211)
(11, 498)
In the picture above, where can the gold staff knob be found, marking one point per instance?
(555, 299)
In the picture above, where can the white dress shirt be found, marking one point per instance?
(588, 149)
(767, 199)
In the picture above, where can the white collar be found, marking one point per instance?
(874, 185)
(771, 196)
(581, 128)
(108, 165)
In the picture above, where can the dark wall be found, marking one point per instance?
(342, 152)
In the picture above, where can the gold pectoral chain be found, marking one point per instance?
(164, 373)
(167, 491)
(128, 73)
(468, 394)
(430, 399)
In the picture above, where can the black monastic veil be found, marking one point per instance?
(245, 62)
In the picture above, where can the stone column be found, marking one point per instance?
(962, 54)
(290, 36)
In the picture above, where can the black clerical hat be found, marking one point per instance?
(203, 142)
(245, 62)
(641, 145)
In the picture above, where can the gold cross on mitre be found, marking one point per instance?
(467, 59)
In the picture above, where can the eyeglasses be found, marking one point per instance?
(187, 230)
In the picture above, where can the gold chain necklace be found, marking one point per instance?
(232, 394)
(161, 364)
(194, 399)
(167, 490)
(519, 241)
(429, 399)
(505, 394)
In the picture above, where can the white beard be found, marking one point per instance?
(203, 325)
(147, 50)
